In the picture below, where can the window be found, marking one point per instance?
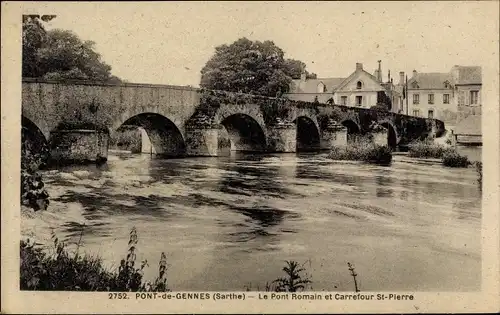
(431, 99)
(359, 85)
(416, 98)
(321, 88)
(430, 113)
(343, 100)
(474, 95)
(359, 100)
(446, 98)
(416, 113)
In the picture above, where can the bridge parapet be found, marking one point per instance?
(196, 116)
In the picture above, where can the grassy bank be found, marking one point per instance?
(363, 150)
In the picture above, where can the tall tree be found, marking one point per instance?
(60, 54)
(249, 67)
(34, 37)
(295, 68)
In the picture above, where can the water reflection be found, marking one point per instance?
(241, 178)
(384, 183)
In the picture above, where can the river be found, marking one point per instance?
(228, 223)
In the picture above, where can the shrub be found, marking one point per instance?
(426, 149)
(451, 158)
(294, 280)
(33, 192)
(73, 272)
(479, 170)
(128, 139)
(363, 150)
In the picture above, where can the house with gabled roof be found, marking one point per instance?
(431, 95)
(453, 97)
(359, 89)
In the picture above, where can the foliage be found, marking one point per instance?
(60, 54)
(380, 107)
(363, 149)
(273, 109)
(127, 139)
(426, 149)
(293, 281)
(451, 158)
(33, 192)
(79, 114)
(479, 170)
(252, 67)
(34, 36)
(295, 69)
(354, 275)
(74, 272)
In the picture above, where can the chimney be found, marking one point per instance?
(303, 76)
(359, 66)
(388, 76)
(414, 73)
(379, 72)
(401, 78)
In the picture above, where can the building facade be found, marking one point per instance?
(450, 96)
(453, 97)
(360, 89)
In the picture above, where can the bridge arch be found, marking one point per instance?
(353, 129)
(244, 132)
(32, 138)
(308, 134)
(164, 135)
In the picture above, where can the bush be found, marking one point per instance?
(33, 192)
(73, 272)
(479, 170)
(451, 158)
(128, 139)
(294, 280)
(426, 149)
(363, 150)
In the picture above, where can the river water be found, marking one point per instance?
(229, 223)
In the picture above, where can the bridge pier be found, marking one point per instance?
(202, 140)
(334, 135)
(78, 146)
(282, 138)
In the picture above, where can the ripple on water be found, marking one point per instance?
(227, 213)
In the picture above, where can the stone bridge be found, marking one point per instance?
(184, 121)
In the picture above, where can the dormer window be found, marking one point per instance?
(321, 88)
(447, 84)
(359, 85)
(414, 85)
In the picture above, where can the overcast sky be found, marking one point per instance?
(169, 42)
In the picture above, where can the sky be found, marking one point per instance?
(170, 42)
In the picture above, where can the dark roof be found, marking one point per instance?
(469, 75)
(469, 126)
(311, 85)
(430, 80)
